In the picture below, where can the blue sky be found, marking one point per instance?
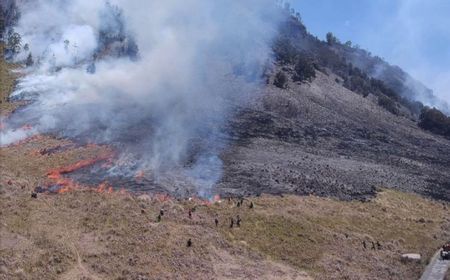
(413, 34)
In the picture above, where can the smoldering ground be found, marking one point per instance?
(156, 79)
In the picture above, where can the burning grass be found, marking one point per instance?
(66, 184)
(85, 232)
(118, 236)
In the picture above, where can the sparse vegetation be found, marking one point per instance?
(280, 80)
(304, 70)
(285, 52)
(388, 104)
(86, 234)
(2, 22)
(83, 234)
(9, 15)
(331, 39)
(29, 62)
(435, 121)
(295, 42)
(13, 45)
(7, 81)
(114, 39)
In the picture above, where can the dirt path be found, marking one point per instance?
(436, 269)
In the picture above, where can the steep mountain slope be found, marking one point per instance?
(321, 138)
(344, 134)
(342, 58)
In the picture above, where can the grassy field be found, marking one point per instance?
(84, 234)
(7, 80)
(116, 236)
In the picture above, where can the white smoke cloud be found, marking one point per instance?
(418, 37)
(197, 60)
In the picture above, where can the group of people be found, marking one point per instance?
(375, 245)
(234, 222)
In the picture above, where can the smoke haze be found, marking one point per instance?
(157, 79)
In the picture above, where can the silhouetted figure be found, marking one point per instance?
(190, 214)
(373, 246)
(251, 205)
(231, 222)
(158, 218)
(161, 212)
(364, 244)
(189, 242)
(34, 195)
(378, 245)
(238, 204)
(216, 221)
(238, 221)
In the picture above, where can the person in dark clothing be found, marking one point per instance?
(161, 212)
(251, 205)
(373, 246)
(190, 214)
(189, 242)
(158, 218)
(238, 221)
(216, 221)
(378, 245)
(231, 222)
(238, 204)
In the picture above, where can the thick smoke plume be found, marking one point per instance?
(158, 79)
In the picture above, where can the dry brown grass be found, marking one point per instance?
(7, 81)
(88, 235)
(116, 236)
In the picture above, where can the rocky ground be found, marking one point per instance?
(324, 139)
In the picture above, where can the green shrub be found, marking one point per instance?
(284, 51)
(435, 121)
(304, 70)
(388, 104)
(280, 80)
(29, 62)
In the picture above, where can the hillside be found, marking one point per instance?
(332, 166)
(358, 66)
(320, 137)
(94, 234)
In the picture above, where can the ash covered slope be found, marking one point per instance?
(320, 137)
(341, 134)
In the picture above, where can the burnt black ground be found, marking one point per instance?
(314, 138)
(324, 139)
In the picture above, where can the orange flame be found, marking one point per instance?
(68, 184)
